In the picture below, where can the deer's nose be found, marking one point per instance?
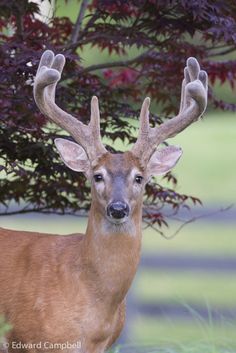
(118, 210)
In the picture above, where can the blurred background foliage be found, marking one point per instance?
(122, 52)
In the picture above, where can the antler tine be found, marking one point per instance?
(144, 128)
(94, 123)
(185, 81)
(48, 74)
(192, 106)
(194, 98)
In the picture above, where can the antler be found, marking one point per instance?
(192, 106)
(48, 74)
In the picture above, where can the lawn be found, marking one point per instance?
(196, 288)
(199, 238)
(186, 336)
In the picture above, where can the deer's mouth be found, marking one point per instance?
(116, 221)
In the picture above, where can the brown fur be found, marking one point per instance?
(71, 288)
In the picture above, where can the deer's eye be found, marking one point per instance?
(138, 179)
(98, 178)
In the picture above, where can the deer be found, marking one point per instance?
(69, 291)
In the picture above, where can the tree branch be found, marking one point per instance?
(121, 63)
(223, 52)
(19, 23)
(196, 218)
(89, 39)
(77, 27)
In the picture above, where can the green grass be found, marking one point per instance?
(199, 348)
(192, 287)
(195, 336)
(198, 238)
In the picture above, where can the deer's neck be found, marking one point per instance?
(113, 254)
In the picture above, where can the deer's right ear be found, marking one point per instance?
(73, 155)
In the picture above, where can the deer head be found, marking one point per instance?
(118, 180)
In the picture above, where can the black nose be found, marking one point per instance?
(118, 210)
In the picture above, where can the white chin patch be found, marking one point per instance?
(112, 226)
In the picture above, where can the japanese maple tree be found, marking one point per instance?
(162, 33)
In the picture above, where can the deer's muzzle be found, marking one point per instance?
(118, 210)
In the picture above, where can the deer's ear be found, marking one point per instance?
(73, 155)
(162, 161)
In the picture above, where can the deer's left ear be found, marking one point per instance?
(163, 160)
